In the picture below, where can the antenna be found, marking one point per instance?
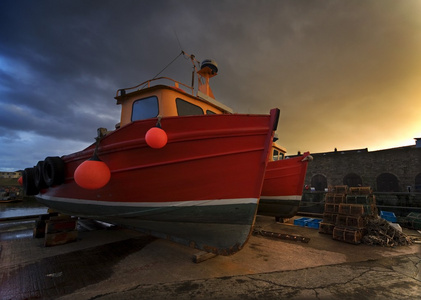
(178, 40)
(192, 58)
(194, 61)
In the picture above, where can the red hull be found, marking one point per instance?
(195, 165)
(283, 186)
(209, 174)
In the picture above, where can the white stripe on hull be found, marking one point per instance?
(291, 197)
(154, 204)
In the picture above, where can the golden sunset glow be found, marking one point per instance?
(345, 74)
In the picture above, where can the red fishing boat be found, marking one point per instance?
(283, 184)
(178, 166)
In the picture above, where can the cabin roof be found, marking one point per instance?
(201, 97)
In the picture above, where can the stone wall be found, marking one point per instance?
(387, 170)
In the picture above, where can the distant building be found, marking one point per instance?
(389, 170)
(16, 174)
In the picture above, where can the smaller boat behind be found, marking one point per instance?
(283, 184)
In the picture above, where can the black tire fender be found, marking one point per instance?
(28, 178)
(53, 171)
(39, 176)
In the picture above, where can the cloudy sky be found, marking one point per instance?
(345, 74)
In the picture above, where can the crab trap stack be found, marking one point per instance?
(345, 212)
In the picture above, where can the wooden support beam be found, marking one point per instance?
(202, 256)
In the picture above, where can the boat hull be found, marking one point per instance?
(201, 189)
(283, 187)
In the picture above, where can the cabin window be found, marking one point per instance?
(145, 108)
(275, 155)
(209, 112)
(185, 108)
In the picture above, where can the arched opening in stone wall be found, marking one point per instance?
(353, 180)
(418, 183)
(387, 182)
(319, 182)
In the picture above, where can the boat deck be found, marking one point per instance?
(117, 263)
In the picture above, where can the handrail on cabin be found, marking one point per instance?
(148, 84)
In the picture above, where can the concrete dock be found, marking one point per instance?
(119, 263)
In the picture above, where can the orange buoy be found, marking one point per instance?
(92, 174)
(20, 181)
(156, 138)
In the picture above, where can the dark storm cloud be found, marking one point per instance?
(333, 67)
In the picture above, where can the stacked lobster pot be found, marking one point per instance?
(345, 213)
(334, 197)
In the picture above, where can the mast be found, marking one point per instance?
(208, 69)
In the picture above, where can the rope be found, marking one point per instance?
(168, 65)
(182, 52)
